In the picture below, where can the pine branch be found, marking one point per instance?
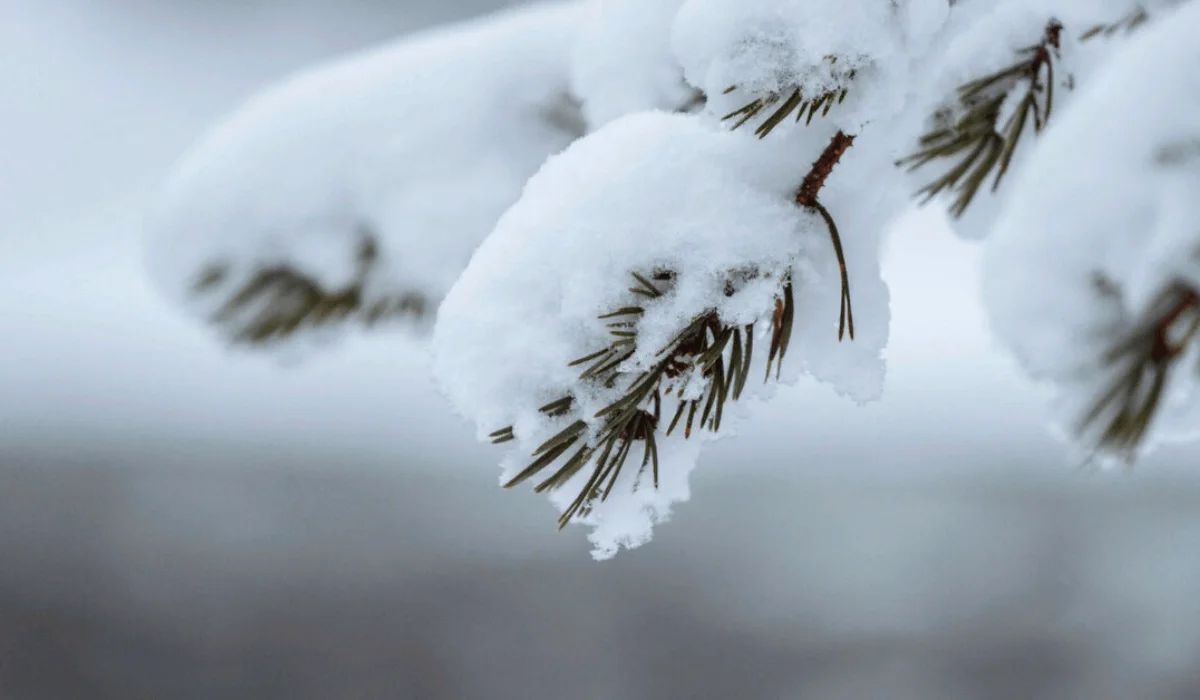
(708, 350)
(796, 102)
(975, 144)
(1140, 365)
(278, 301)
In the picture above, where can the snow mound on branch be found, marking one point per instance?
(764, 47)
(623, 61)
(417, 146)
(651, 191)
(1112, 192)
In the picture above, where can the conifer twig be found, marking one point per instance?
(277, 301)
(977, 143)
(707, 350)
(788, 102)
(1140, 364)
(807, 197)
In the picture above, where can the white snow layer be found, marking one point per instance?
(421, 144)
(1112, 190)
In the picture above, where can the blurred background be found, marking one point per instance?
(177, 521)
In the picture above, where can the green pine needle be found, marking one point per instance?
(278, 301)
(785, 104)
(1127, 24)
(1120, 417)
(976, 146)
(722, 355)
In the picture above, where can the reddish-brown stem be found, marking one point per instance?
(1163, 349)
(806, 196)
(1041, 52)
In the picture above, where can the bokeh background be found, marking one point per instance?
(177, 521)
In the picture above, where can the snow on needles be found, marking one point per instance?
(413, 149)
(647, 267)
(650, 192)
(1102, 222)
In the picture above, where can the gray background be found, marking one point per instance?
(180, 522)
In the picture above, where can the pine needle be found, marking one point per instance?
(795, 103)
(1127, 24)
(1139, 365)
(721, 354)
(976, 144)
(276, 302)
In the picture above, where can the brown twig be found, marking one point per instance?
(807, 197)
(821, 169)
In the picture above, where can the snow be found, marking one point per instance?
(1097, 198)
(417, 145)
(623, 63)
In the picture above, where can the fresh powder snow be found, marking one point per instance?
(725, 164)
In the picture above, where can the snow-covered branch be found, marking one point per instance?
(663, 195)
(356, 191)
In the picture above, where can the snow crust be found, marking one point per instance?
(420, 144)
(1111, 191)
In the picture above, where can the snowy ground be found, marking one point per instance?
(331, 530)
